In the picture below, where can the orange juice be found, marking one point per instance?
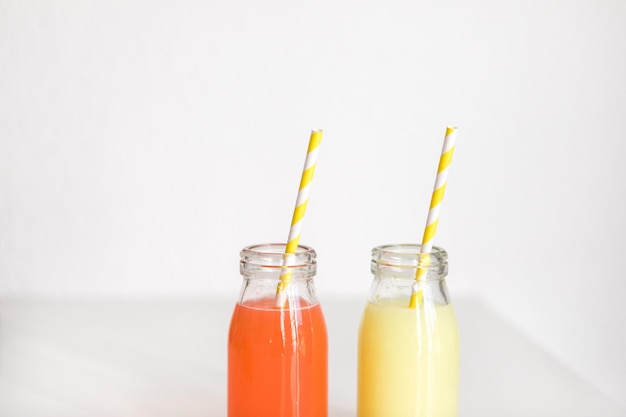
(277, 360)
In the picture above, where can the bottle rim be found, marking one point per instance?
(408, 255)
(272, 255)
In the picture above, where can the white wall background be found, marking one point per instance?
(143, 144)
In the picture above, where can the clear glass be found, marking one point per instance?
(277, 343)
(408, 357)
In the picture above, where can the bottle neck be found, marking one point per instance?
(268, 273)
(401, 269)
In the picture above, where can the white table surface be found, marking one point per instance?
(134, 358)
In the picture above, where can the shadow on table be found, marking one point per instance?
(340, 412)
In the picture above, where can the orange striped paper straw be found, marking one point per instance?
(433, 213)
(298, 213)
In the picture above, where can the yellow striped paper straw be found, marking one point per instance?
(298, 213)
(433, 213)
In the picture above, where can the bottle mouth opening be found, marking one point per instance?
(408, 255)
(272, 255)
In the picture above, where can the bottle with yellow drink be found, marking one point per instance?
(408, 359)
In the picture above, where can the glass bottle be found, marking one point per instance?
(277, 343)
(408, 356)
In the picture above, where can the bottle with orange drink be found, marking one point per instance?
(277, 343)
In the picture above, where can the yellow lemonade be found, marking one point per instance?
(408, 360)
